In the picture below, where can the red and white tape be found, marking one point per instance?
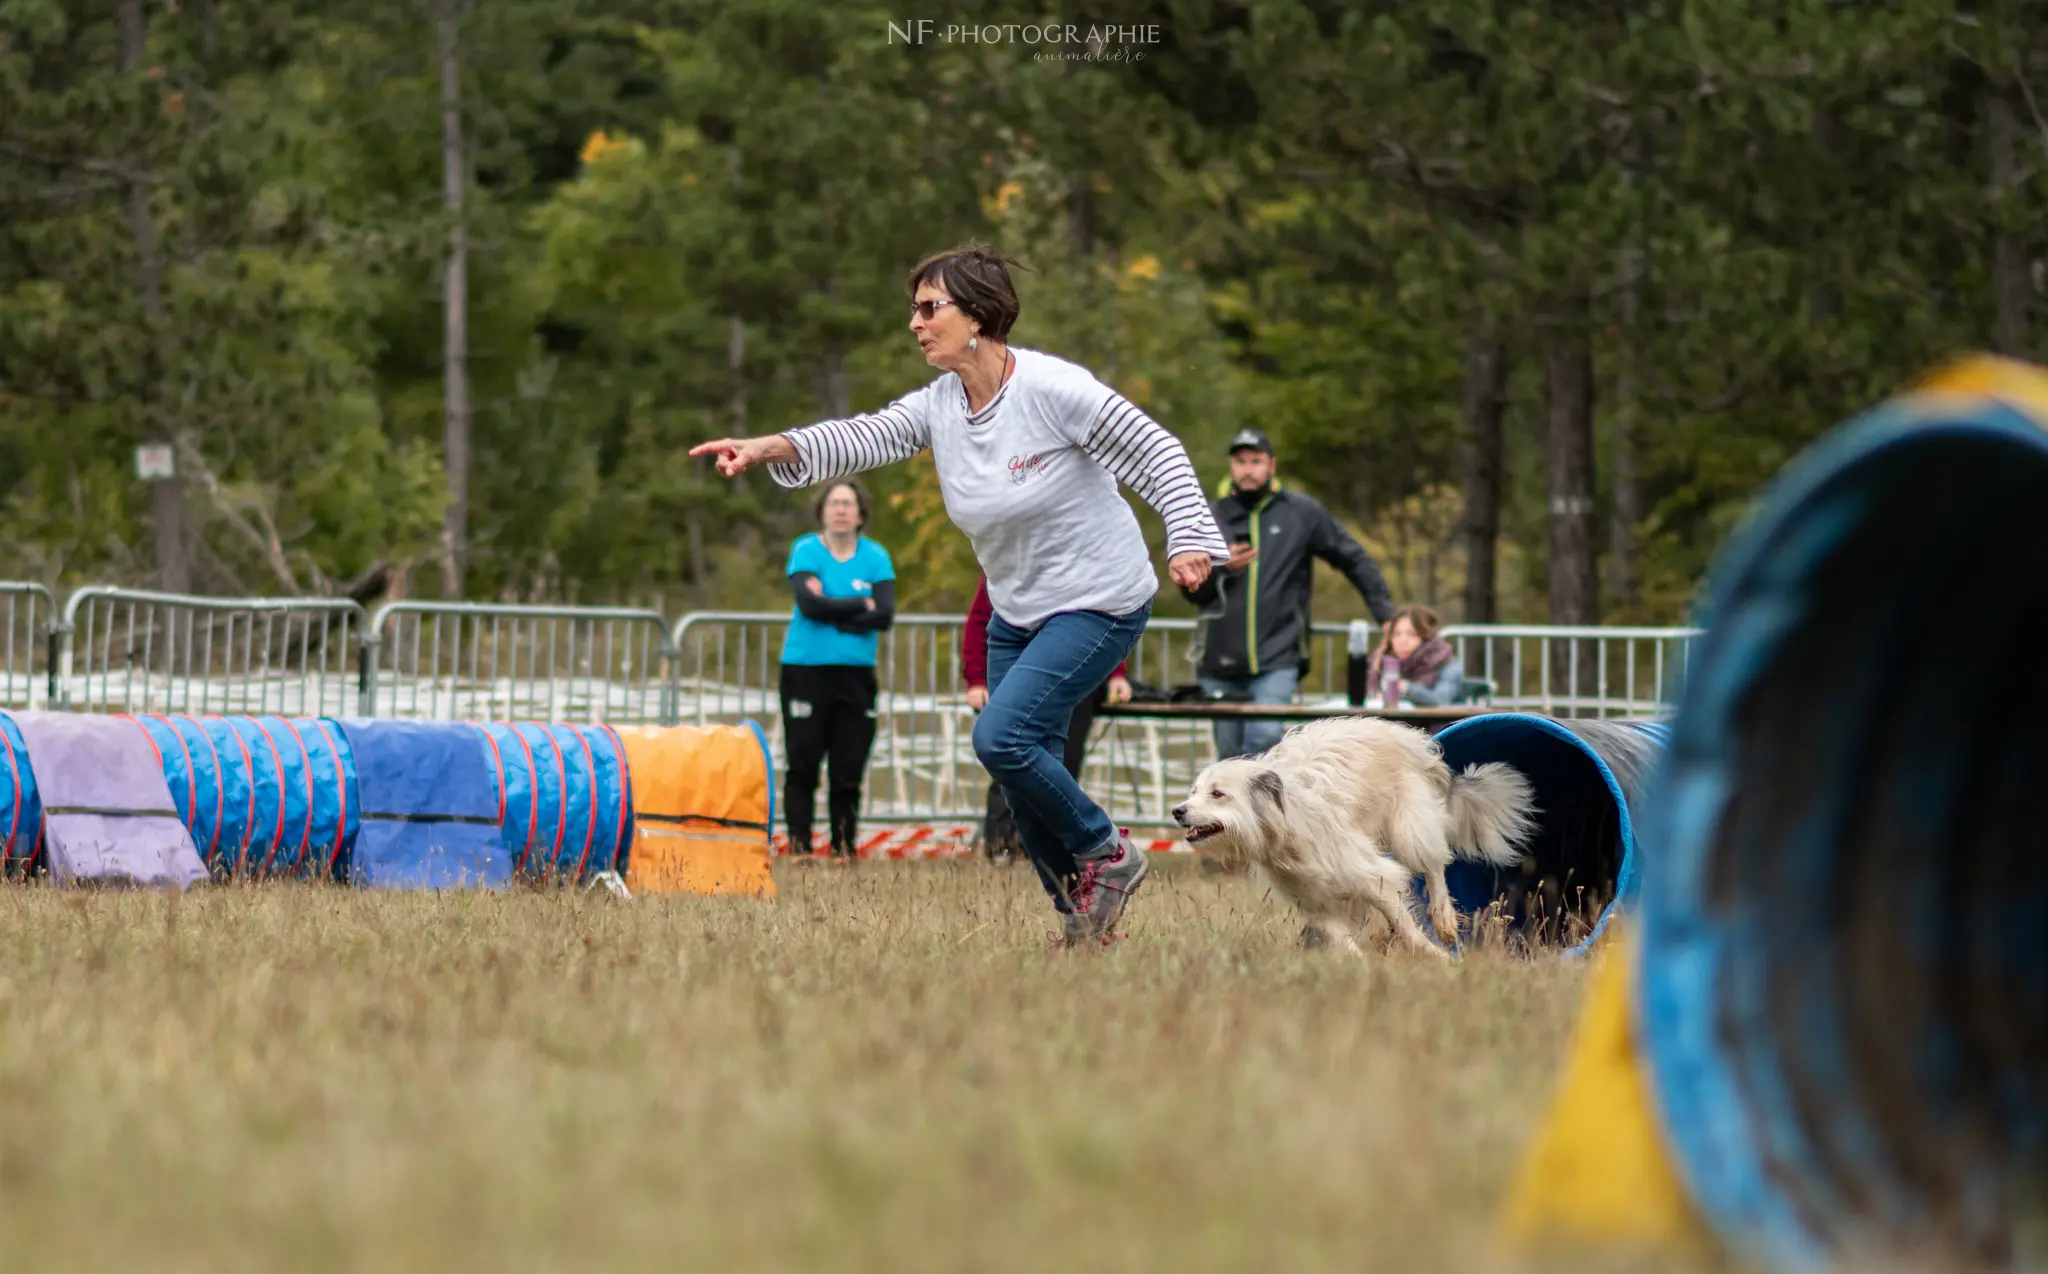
(937, 841)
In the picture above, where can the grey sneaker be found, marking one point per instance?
(1104, 887)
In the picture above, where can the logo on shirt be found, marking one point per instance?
(1025, 468)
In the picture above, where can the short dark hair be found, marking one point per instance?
(860, 497)
(977, 277)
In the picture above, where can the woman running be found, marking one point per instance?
(1029, 449)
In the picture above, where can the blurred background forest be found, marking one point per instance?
(431, 298)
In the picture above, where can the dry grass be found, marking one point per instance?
(885, 1070)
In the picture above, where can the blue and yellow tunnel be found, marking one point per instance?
(1820, 1041)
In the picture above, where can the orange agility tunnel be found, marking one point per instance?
(703, 809)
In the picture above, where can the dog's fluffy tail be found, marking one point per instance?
(1493, 812)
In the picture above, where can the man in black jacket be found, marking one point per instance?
(1256, 637)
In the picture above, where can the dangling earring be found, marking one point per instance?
(973, 342)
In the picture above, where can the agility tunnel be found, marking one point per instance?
(1581, 866)
(568, 798)
(21, 805)
(703, 809)
(106, 814)
(262, 796)
(432, 807)
(384, 804)
(1822, 1040)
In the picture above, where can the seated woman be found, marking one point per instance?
(1413, 663)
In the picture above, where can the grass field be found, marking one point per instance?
(886, 1069)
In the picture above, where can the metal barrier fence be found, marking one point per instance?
(28, 639)
(127, 651)
(466, 661)
(923, 765)
(1575, 672)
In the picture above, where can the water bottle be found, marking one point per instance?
(1359, 646)
(1390, 676)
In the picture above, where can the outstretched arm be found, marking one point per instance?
(830, 449)
(1151, 461)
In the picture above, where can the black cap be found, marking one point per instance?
(1255, 439)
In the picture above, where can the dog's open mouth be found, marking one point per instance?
(1203, 831)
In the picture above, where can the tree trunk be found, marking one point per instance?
(736, 357)
(1628, 512)
(166, 495)
(1574, 583)
(1081, 232)
(736, 339)
(1626, 515)
(837, 402)
(1486, 395)
(735, 361)
(455, 311)
(2011, 275)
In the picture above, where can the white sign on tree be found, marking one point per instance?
(154, 462)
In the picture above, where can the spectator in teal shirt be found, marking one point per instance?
(845, 593)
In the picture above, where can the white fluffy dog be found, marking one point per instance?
(1343, 813)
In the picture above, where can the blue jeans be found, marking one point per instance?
(1035, 680)
(1242, 738)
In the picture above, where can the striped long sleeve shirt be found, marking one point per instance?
(1031, 479)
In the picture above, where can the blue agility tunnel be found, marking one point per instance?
(431, 806)
(568, 801)
(299, 785)
(274, 778)
(262, 796)
(336, 813)
(1582, 863)
(21, 808)
(1843, 983)
(227, 832)
(194, 770)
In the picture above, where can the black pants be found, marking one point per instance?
(998, 827)
(828, 714)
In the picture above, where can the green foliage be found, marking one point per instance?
(1291, 214)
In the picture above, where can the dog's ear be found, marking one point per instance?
(1267, 783)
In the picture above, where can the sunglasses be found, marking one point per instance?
(926, 309)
